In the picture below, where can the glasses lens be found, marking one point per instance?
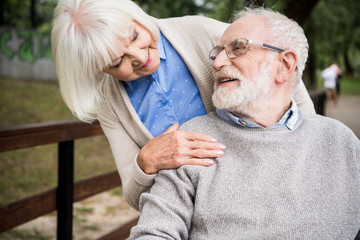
(213, 54)
(236, 48)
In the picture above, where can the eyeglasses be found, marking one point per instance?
(237, 48)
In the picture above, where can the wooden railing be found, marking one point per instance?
(62, 198)
(67, 192)
(319, 100)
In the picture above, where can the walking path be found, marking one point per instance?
(347, 111)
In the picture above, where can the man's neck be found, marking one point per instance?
(266, 114)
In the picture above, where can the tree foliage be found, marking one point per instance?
(332, 26)
(27, 14)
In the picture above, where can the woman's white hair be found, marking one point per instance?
(284, 33)
(84, 39)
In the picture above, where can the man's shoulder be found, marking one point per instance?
(322, 120)
(202, 122)
(327, 126)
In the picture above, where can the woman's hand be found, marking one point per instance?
(175, 148)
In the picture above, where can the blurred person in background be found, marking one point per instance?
(330, 77)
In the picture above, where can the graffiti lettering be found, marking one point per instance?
(30, 45)
(25, 51)
(5, 36)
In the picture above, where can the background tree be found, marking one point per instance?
(334, 30)
(27, 14)
(168, 8)
(332, 26)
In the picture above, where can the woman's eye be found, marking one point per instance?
(117, 65)
(135, 35)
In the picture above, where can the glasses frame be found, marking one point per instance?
(247, 41)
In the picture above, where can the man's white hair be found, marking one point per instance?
(284, 33)
(84, 39)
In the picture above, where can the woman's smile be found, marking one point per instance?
(148, 60)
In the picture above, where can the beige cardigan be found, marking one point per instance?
(192, 37)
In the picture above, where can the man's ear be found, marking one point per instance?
(288, 62)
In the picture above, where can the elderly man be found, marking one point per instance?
(285, 174)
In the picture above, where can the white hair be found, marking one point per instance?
(84, 39)
(284, 33)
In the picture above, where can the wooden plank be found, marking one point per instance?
(29, 208)
(92, 186)
(47, 133)
(122, 232)
(42, 127)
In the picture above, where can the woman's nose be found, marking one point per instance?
(221, 60)
(137, 56)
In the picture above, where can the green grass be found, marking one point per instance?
(349, 85)
(33, 170)
(23, 102)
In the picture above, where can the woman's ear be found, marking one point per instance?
(288, 62)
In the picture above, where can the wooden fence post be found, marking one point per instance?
(65, 191)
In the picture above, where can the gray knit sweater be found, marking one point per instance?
(270, 184)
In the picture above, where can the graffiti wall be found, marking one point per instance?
(26, 54)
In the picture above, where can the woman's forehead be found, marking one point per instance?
(120, 41)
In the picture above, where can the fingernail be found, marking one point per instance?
(211, 162)
(222, 147)
(213, 140)
(221, 153)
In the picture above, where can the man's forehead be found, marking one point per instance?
(250, 27)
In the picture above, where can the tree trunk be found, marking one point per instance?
(2, 21)
(310, 73)
(255, 3)
(33, 14)
(348, 66)
(299, 10)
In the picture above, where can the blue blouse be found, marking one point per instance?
(168, 95)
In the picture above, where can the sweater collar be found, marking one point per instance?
(289, 119)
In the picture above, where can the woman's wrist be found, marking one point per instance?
(140, 176)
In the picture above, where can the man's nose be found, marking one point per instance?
(221, 60)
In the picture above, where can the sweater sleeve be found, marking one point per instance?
(166, 211)
(124, 149)
(302, 98)
(134, 180)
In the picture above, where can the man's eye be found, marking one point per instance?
(239, 46)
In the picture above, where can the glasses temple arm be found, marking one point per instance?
(272, 47)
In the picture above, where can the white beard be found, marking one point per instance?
(253, 92)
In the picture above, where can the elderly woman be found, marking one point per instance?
(140, 77)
